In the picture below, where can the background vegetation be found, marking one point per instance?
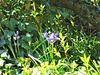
(44, 37)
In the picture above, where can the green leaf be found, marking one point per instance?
(27, 37)
(13, 72)
(82, 59)
(6, 22)
(7, 35)
(98, 32)
(3, 53)
(65, 14)
(98, 0)
(22, 52)
(13, 21)
(72, 22)
(25, 45)
(21, 26)
(2, 43)
(30, 28)
(59, 11)
(11, 48)
(88, 58)
(24, 73)
(10, 23)
(50, 18)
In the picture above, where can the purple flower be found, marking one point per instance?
(49, 32)
(51, 36)
(16, 36)
(54, 31)
(15, 44)
(45, 34)
(49, 40)
(16, 33)
(56, 34)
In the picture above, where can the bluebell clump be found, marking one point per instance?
(50, 36)
(16, 37)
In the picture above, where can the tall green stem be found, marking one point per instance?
(18, 47)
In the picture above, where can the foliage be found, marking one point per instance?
(25, 49)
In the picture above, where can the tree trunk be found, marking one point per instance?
(86, 10)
